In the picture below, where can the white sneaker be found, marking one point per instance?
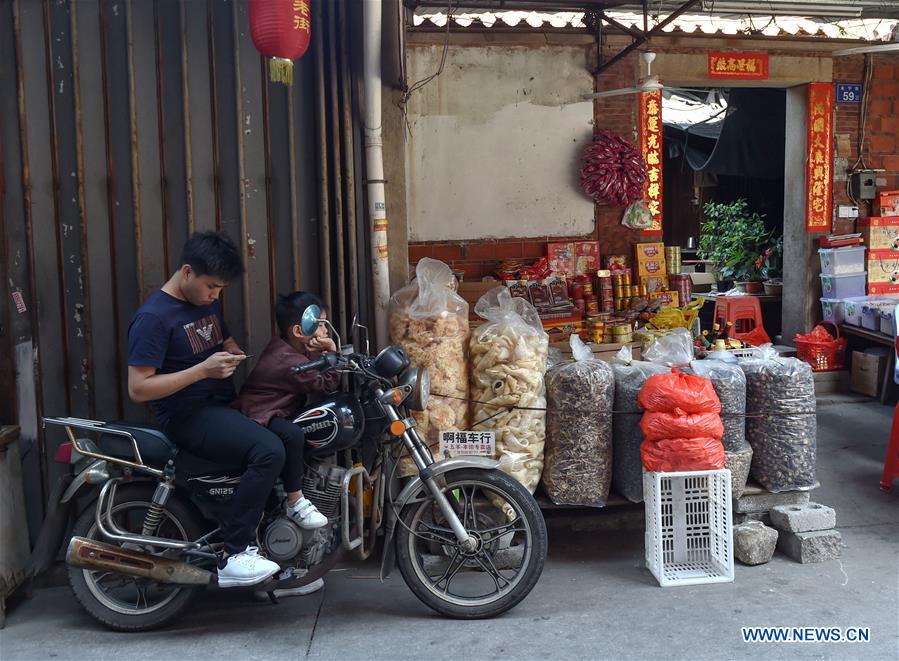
(246, 568)
(305, 515)
(302, 591)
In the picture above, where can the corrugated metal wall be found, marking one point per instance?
(126, 125)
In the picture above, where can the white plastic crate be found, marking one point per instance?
(839, 261)
(689, 534)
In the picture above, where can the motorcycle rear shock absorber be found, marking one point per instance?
(156, 512)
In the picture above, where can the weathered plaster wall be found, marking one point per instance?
(495, 141)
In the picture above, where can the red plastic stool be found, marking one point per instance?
(746, 314)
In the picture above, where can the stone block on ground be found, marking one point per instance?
(803, 518)
(765, 502)
(752, 516)
(809, 547)
(738, 464)
(754, 542)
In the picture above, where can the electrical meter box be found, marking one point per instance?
(862, 185)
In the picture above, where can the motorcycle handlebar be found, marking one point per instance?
(326, 361)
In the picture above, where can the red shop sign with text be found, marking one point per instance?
(651, 148)
(819, 158)
(739, 66)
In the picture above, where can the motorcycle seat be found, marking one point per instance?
(155, 447)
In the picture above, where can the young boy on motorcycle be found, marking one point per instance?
(181, 358)
(273, 392)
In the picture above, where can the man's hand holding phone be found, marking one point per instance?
(222, 364)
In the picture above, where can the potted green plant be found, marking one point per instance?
(735, 241)
(772, 268)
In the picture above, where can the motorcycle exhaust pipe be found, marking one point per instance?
(99, 556)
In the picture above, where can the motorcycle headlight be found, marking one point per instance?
(420, 381)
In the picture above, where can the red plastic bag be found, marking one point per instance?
(678, 393)
(682, 454)
(658, 426)
(756, 337)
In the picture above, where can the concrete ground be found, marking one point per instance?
(595, 599)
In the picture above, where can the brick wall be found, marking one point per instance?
(881, 149)
(881, 136)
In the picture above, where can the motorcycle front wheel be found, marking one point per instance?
(128, 603)
(508, 527)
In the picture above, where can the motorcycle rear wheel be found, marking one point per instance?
(114, 610)
(505, 519)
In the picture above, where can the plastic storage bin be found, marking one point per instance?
(832, 310)
(871, 317)
(887, 322)
(688, 527)
(852, 309)
(841, 261)
(843, 286)
(871, 312)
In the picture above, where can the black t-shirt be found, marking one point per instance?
(173, 335)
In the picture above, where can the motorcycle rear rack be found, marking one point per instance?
(97, 426)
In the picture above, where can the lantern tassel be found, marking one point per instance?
(280, 70)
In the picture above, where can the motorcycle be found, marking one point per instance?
(469, 540)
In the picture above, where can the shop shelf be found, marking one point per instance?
(688, 527)
(840, 261)
(846, 285)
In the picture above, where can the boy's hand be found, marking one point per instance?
(322, 344)
(221, 365)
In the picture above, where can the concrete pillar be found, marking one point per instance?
(802, 286)
(394, 133)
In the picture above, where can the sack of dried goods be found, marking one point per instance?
(627, 467)
(429, 320)
(781, 424)
(508, 362)
(729, 383)
(730, 386)
(578, 464)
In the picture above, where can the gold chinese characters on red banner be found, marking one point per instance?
(651, 148)
(742, 66)
(819, 158)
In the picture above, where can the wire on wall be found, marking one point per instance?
(409, 90)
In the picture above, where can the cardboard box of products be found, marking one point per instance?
(883, 266)
(888, 203)
(884, 287)
(668, 298)
(867, 372)
(880, 233)
(561, 257)
(603, 352)
(650, 259)
(654, 283)
(472, 291)
(562, 329)
(586, 257)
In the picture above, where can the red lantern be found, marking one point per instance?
(281, 30)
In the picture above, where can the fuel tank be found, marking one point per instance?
(331, 425)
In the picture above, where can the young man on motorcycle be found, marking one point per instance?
(181, 358)
(273, 392)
